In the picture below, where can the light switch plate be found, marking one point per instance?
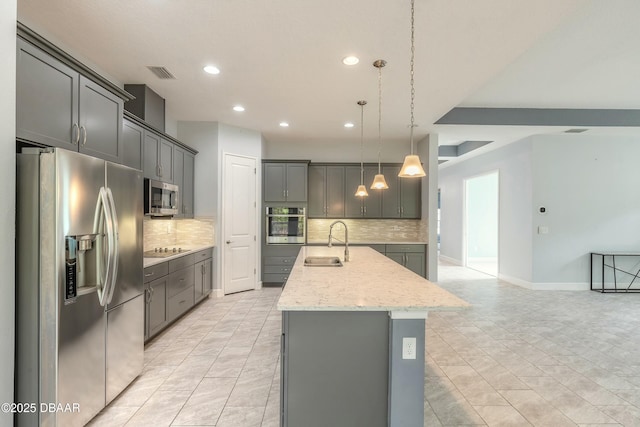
(543, 229)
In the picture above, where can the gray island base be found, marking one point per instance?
(345, 330)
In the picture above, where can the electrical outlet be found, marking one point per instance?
(409, 348)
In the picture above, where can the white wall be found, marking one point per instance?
(590, 186)
(515, 236)
(7, 208)
(213, 140)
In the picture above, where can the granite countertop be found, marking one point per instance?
(148, 262)
(368, 282)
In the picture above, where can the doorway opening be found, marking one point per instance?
(481, 223)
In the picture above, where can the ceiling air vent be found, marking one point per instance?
(575, 130)
(162, 73)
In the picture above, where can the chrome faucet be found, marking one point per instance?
(346, 238)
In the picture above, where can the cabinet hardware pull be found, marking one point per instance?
(365, 209)
(182, 280)
(183, 301)
(84, 138)
(149, 274)
(76, 133)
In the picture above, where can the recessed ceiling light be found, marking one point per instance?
(238, 108)
(349, 125)
(350, 60)
(212, 69)
(284, 124)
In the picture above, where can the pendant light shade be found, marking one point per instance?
(379, 183)
(412, 167)
(362, 190)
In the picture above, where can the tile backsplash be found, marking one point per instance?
(371, 230)
(177, 232)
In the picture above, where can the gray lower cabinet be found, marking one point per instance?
(410, 256)
(277, 261)
(173, 287)
(57, 106)
(331, 378)
(155, 287)
(326, 191)
(203, 274)
(183, 173)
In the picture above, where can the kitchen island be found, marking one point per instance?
(354, 340)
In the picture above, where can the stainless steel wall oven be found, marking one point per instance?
(285, 225)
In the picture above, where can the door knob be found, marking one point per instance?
(228, 241)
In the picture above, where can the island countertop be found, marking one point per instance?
(368, 282)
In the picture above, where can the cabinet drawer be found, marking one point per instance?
(203, 254)
(180, 280)
(379, 248)
(277, 269)
(274, 278)
(179, 303)
(405, 248)
(182, 262)
(156, 271)
(279, 260)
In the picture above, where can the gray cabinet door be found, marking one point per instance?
(396, 256)
(296, 184)
(416, 262)
(199, 280)
(157, 305)
(151, 167)
(132, 143)
(353, 205)
(46, 99)
(100, 122)
(335, 191)
(207, 286)
(187, 189)
(178, 172)
(166, 160)
(373, 202)
(410, 197)
(317, 191)
(391, 196)
(274, 182)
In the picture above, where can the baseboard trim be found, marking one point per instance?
(451, 260)
(217, 293)
(259, 285)
(544, 286)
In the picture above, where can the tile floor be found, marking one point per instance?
(516, 358)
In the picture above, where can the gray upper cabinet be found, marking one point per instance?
(132, 143)
(285, 182)
(361, 207)
(57, 106)
(183, 163)
(326, 191)
(158, 158)
(100, 122)
(403, 197)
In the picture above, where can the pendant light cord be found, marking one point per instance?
(362, 103)
(413, 91)
(379, 114)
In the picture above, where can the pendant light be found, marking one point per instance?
(412, 167)
(362, 190)
(379, 183)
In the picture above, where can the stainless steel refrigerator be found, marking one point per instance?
(79, 284)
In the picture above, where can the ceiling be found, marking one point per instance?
(282, 60)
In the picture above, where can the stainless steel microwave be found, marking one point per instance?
(160, 198)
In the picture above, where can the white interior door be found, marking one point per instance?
(239, 228)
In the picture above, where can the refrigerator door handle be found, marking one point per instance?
(114, 250)
(103, 227)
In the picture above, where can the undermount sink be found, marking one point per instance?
(322, 261)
